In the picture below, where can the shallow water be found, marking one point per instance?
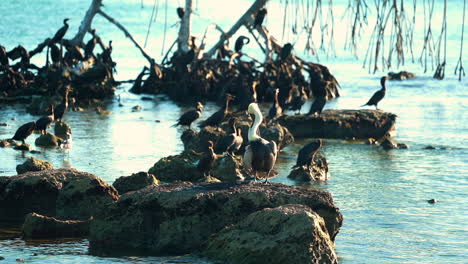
(382, 194)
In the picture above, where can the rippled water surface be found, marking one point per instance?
(382, 194)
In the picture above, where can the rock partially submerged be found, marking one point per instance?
(134, 182)
(60, 193)
(39, 226)
(402, 75)
(61, 129)
(341, 124)
(180, 219)
(317, 172)
(48, 140)
(290, 233)
(33, 164)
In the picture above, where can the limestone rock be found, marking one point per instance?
(286, 234)
(228, 169)
(60, 193)
(178, 219)
(317, 172)
(134, 182)
(33, 164)
(182, 167)
(39, 226)
(48, 140)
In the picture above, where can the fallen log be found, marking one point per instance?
(341, 124)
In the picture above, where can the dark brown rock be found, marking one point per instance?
(61, 129)
(341, 124)
(134, 182)
(388, 144)
(33, 164)
(48, 140)
(286, 234)
(39, 226)
(182, 167)
(402, 75)
(317, 172)
(22, 147)
(179, 219)
(60, 193)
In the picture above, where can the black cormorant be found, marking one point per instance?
(61, 32)
(218, 117)
(298, 101)
(275, 110)
(286, 51)
(306, 155)
(260, 155)
(188, 117)
(180, 12)
(24, 131)
(55, 54)
(60, 109)
(240, 43)
(318, 105)
(206, 163)
(259, 17)
(3, 56)
(230, 143)
(45, 121)
(89, 47)
(379, 95)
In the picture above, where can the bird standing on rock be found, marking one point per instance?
(206, 163)
(24, 131)
(275, 110)
(307, 153)
(260, 155)
(44, 122)
(379, 95)
(230, 143)
(188, 117)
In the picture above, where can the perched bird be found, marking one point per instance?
(260, 155)
(286, 51)
(230, 143)
(24, 131)
(307, 153)
(44, 122)
(180, 12)
(318, 105)
(206, 163)
(188, 117)
(275, 110)
(298, 101)
(55, 54)
(60, 109)
(240, 43)
(379, 95)
(89, 47)
(259, 17)
(3, 56)
(61, 32)
(218, 117)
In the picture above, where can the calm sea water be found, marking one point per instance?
(382, 194)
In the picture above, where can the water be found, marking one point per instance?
(382, 194)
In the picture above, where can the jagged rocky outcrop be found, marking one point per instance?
(33, 164)
(39, 226)
(318, 171)
(181, 218)
(341, 124)
(134, 182)
(291, 233)
(60, 193)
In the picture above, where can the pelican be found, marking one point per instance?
(260, 155)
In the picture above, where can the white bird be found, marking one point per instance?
(67, 144)
(260, 155)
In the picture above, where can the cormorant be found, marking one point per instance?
(55, 54)
(219, 116)
(3, 56)
(206, 163)
(260, 155)
(62, 107)
(259, 17)
(188, 117)
(298, 101)
(379, 95)
(307, 153)
(180, 12)
(286, 51)
(89, 47)
(230, 143)
(318, 105)
(275, 110)
(240, 43)
(61, 32)
(24, 131)
(45, 121)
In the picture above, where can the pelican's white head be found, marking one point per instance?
(253, 108)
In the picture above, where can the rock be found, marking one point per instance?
(35, 152)
(136, 108)
(341, 124)
(39, 226)
(59, 193)
(371, 141)
(2, 258)
(430, 147)
(134, 182)
(318, 171)
(228, 169)
(4, 143)
(182, 167)
(196, 141)
(290, 233)
(20, 260)
(176, 219)
(48, 140)
(3, 124)
(61, 129)
(403, 75)
(23, 147)
(432, 201)
(388, 144)
(402, 146)
(33, 164)
(146, 98)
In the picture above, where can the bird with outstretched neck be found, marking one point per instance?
(230, 143)
(239, 44)
(61, 32)
(307, 153)
(218, 117)
(188, 117)
(206, 163)
(379, 95)
(60, 109)
(298, 101)
(260, 155)
(275, 110)
(24, 131)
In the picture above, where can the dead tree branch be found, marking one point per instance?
(86, 23)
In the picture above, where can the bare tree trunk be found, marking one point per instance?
(86, 23)
(244, 20)
(184, 30)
